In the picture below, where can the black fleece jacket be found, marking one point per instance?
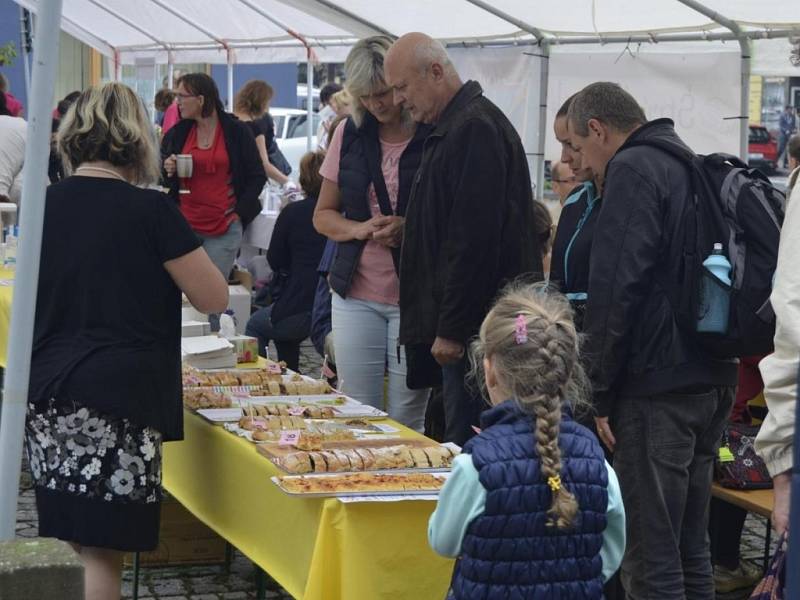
(469, 222)
(247, 171)
(634, 345)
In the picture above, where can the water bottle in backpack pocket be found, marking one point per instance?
(715, 294)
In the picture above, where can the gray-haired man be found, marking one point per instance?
(662, 402)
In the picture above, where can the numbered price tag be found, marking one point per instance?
(296, 411)
(289, 437)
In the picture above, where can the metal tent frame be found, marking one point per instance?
(42, 88)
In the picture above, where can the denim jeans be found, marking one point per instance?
(664, 459)
(222, 250)
(286, 333)
(365, 338)
(463, 403)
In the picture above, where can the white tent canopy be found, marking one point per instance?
(279, 30)
(262, 31)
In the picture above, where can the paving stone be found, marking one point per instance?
(173, 598)
(237, 595)
(205, 597)
(168, 587)
(207, 585)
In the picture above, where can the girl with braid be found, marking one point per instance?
(531, 509)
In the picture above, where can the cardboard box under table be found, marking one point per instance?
(182, 540)
(316, 548)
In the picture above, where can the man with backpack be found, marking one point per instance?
(662, 400)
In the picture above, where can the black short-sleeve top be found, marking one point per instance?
(108, 314)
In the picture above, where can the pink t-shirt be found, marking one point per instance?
(375, 278)
(13, 105)
(171, 116)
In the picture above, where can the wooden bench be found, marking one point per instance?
(755, 501)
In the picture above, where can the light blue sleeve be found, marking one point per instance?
(614, 535)
(461, 500)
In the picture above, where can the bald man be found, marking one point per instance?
(469, 223)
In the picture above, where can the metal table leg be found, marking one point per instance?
(228, 556)
(261, 584)
(136, 576)
(767, 544)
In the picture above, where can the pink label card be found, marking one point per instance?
(289, 437)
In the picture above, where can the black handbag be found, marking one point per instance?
(422, 370)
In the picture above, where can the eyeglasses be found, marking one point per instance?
(185, 96)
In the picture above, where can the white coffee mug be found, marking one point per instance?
(183, 165)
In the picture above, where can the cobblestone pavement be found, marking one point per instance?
(217, 582)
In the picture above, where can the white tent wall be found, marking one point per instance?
(696, 85)
(510, 79)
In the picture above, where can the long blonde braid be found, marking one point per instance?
(540, 373)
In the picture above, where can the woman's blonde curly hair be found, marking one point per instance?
(109, 122)
(541, 373)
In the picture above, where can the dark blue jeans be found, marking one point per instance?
(287, 334)
(463, 403)
(664, 458)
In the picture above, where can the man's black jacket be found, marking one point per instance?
(469, 222)
(634, 345)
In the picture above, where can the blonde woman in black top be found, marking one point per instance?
(105, 385)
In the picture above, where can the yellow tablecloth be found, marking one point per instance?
(6, 294)
(317, 549)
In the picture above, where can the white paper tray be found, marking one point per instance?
(351, 409)
(248, 435)
(221, 415)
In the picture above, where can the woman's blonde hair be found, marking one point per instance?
(340, 100)
(109, 122)
(363, 69)
(541, 370)
(254, 98)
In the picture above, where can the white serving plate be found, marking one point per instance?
(350, 409)
(221, 415)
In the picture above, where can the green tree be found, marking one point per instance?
(7, 54)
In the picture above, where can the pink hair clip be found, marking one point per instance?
(521, 330)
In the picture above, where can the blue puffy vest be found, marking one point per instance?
(509, 552)
(361, 157)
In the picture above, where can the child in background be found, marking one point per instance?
(531, 509)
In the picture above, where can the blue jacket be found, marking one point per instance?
(510, 552)
(321, 324)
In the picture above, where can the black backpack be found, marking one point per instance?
(739, 207)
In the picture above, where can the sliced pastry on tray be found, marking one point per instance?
(367, 459)
(201, 398)
(363, 483)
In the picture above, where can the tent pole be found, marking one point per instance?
(230, 80)
(25, 35)
(544, 79)
(170, 70)
(117, 66)
(744, 44)
(20, 338)
(309, 100)
(744, 103)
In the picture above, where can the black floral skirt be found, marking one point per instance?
(97, 478)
